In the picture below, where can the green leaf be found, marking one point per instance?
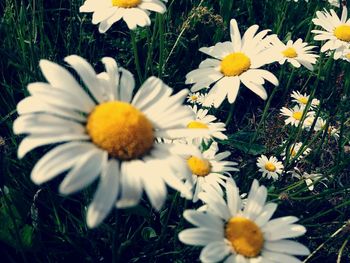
(241, 141)
(148, 233)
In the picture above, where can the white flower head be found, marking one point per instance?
(203, 120)
(294, 151)
(294, 115)
(133, 12)
(232, 63)
(336, 31)
(230, 233)
(110, 134)
(270, 167)
(335, 3)
(195, 98)
(310, 179)
(346, 54)
(303, 99)
(211, 168)
(296, 53)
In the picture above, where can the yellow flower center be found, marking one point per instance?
(303, 100)
(297, 115)
(194, 97)
(197, 125)
(235, 64)
(293, 152)
(290, 53)
(199, 167)
(245, 236)
(126, 3)
(121, 130)
(270, 167)
(347, 56)
(343, 33)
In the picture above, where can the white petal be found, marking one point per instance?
(214, 252)
(58, 160)
(287, 247)
(105, 195)
(199, 236)
(88, 75)
(131, 184)
(84, 172)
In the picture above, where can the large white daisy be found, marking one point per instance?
(232, 233)
(133, 12)
(211, 168)
(336, 31)
(106, 131)
(233, 62)
(203, 120)
(296, 53)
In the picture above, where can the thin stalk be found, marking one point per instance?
(136, 55)
(161, 44)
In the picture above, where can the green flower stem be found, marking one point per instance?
(136, 56)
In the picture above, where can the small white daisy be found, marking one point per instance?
(294, 115)
(297, 53)
(230, 233)
(110, 134)
(233, 63)
(203, 120)
(303, 99)
(195, 98)
(337, 31)
(270, 167)
(346, 54)
(310, 179)
(294, 150)
(335, 3)
(133, 12)
(211, 168)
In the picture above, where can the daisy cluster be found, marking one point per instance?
(143, 139)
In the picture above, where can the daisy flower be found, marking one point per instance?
(203, 120)
(310, 179)
(294, 150)
(211, 168)
(230, 233)
(346, 54)
(233, 63)
(294, 115)
(270, 167)
(296, 53)
(133, 12)
(109, 134)
(195, 98)
(303, 99)
(336, 31)
(335, 3)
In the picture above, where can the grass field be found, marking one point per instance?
(37, 224)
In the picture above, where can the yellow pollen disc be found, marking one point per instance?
(343, 33)
(245, 236)
(290, 53)
(270, 167)
(121, 130)
(235, 64)
(293, 152)
(303, 100)
(193, 97)
(126, 3)
(197, 125)
(297, 115)
(199, 167)
(347, 56)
